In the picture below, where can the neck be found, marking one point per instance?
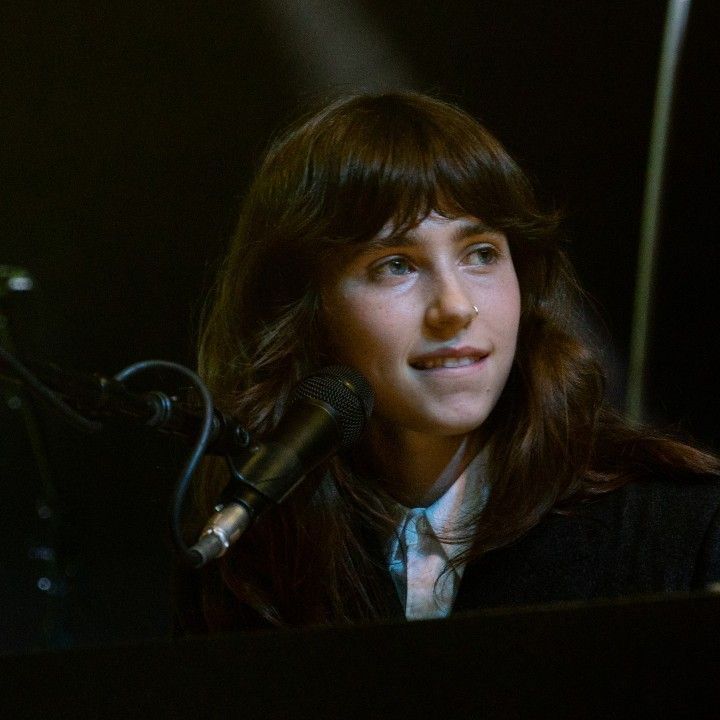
(417, 468)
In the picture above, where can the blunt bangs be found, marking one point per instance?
(396, 158)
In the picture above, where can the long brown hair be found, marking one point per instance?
(334, 180)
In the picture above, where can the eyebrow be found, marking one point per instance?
(411, 239)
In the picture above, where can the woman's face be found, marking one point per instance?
(431, 320)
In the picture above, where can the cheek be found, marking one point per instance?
(502, 321)
(513, 318)
(508, 310)
(358, 331)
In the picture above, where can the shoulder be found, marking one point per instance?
(687, 503)
(660, 515)
(656, 535)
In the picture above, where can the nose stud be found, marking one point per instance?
(475, 308)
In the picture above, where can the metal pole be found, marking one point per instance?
(673, 38)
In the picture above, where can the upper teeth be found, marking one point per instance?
(449, 362)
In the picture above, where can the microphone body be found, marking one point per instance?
(325, 412)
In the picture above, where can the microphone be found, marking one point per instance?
(98, 397)
(326, 411)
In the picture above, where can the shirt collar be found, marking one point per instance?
(450, 514)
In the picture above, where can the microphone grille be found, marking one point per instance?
(346, 391)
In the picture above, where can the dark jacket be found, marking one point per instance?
(647, 537)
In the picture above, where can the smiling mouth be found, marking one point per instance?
(433, 363)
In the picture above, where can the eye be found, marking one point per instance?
(481, 255)
(391, 267)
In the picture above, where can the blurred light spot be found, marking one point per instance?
(42, 552)
(44, 584)
(20, 283)
(337, 44)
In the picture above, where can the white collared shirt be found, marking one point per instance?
(422, 546)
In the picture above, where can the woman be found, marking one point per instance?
(394, 234)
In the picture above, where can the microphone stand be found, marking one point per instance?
(210, 430)
(672, 44)
(45, 566)
(13, 281)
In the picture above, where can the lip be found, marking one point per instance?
(429, 361)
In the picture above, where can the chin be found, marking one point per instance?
(450, 427)
(458, 429)
(459, 423)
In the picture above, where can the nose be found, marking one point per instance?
(450, 308)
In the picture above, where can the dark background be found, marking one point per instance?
(129, 134)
